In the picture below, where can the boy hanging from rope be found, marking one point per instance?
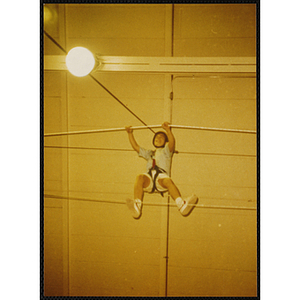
(157, 178)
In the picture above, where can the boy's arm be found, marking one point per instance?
(170, 135)
(132, 140)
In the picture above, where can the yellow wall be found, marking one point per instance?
(92, 245)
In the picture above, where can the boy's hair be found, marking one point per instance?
(166, 138)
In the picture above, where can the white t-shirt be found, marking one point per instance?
(162, 156)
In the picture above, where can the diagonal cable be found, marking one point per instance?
(55, 42)
(97, 81)
(119, 101)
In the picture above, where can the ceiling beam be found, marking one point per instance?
(161, 64)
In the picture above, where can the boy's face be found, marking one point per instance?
(159, 140)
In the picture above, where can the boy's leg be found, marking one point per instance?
(141, 182)
(135, 205)
(185, 205)
(168, 184)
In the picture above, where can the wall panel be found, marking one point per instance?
(112, 253)
(212, 245)
(117, 29)
(207, 30)
(55, 183)
(213, 251)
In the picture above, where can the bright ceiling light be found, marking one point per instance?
(48, 14)
(80, 61)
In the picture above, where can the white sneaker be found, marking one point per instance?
(135, 206)
(188, 205)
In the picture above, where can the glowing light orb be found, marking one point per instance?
(48, 15)
(80, 61)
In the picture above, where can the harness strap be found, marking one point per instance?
(157, 172)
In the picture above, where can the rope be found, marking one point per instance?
(55, 42)
(147, 127)
(149, 204)
(119, 101)
(87, 148)
(214, 129)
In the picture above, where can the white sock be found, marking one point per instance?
(179, 202)
(138, 203)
